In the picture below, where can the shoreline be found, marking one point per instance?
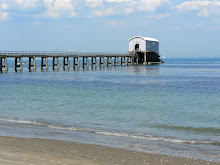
(48, 151)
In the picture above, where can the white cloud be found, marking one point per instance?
(27, 3)
(119, 0)
(56, 8)
(4, 6)
(128, 10)
(101, 13)
(203, 8)
(152, 5)
(93, 3)
(125, 7)
(3, 15)
(66, 8)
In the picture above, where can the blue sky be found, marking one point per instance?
(184, 28)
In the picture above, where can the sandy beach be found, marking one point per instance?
(46, 151)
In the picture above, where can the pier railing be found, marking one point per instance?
(63, 54)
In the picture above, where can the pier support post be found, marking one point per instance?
(145, 58)
(21, 65)
(20, 61)
(91, 62)
(111, 62)
(103, 61)
(16, 61)
(42, 62)
(126, 61)
(83, 63)
(29, 63)
(107, 60)
(58, 63)
(100, 61)
(6, 64)
(87, 61)
(78, 62)
(64, 62)
(0, 64)
(34, 61)
(114, 60)
(96, 62)
(131, 60)
(53, 63)
(68, 62)
(74, 62)
(137, 60)
(47, 67)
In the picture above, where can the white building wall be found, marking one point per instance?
(140, 41)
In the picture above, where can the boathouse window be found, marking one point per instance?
(153, 43)
(137, 47)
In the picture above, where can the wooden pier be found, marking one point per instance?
(93, 59)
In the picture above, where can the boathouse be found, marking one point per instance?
(141, 44)
(147, 49)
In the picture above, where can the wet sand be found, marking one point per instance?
(16, 151)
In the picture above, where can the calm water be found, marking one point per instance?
(171, 108)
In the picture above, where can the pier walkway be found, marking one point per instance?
(87, 59)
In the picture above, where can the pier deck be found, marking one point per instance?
(104, 58)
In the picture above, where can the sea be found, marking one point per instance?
(171, 108)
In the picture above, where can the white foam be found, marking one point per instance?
(20, 121)
(106, 133)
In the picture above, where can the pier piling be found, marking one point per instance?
(16, 63)
(47, 67)
(42, 62)
(34, 63)
(83, 62)
(96, 62)
(55, 64)
(78, 62)
(66, 62)
(20, 61)
(107, 61)
(6, 64)
(87, 61)
(92, 62)
(103, 61)
(3, 65)
(0, 64)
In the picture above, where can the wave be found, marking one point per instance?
(108, 133)
(188, 128)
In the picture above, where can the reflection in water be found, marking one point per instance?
(147, 70)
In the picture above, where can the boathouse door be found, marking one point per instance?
(137, 47)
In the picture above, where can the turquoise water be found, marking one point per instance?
(171, 108)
